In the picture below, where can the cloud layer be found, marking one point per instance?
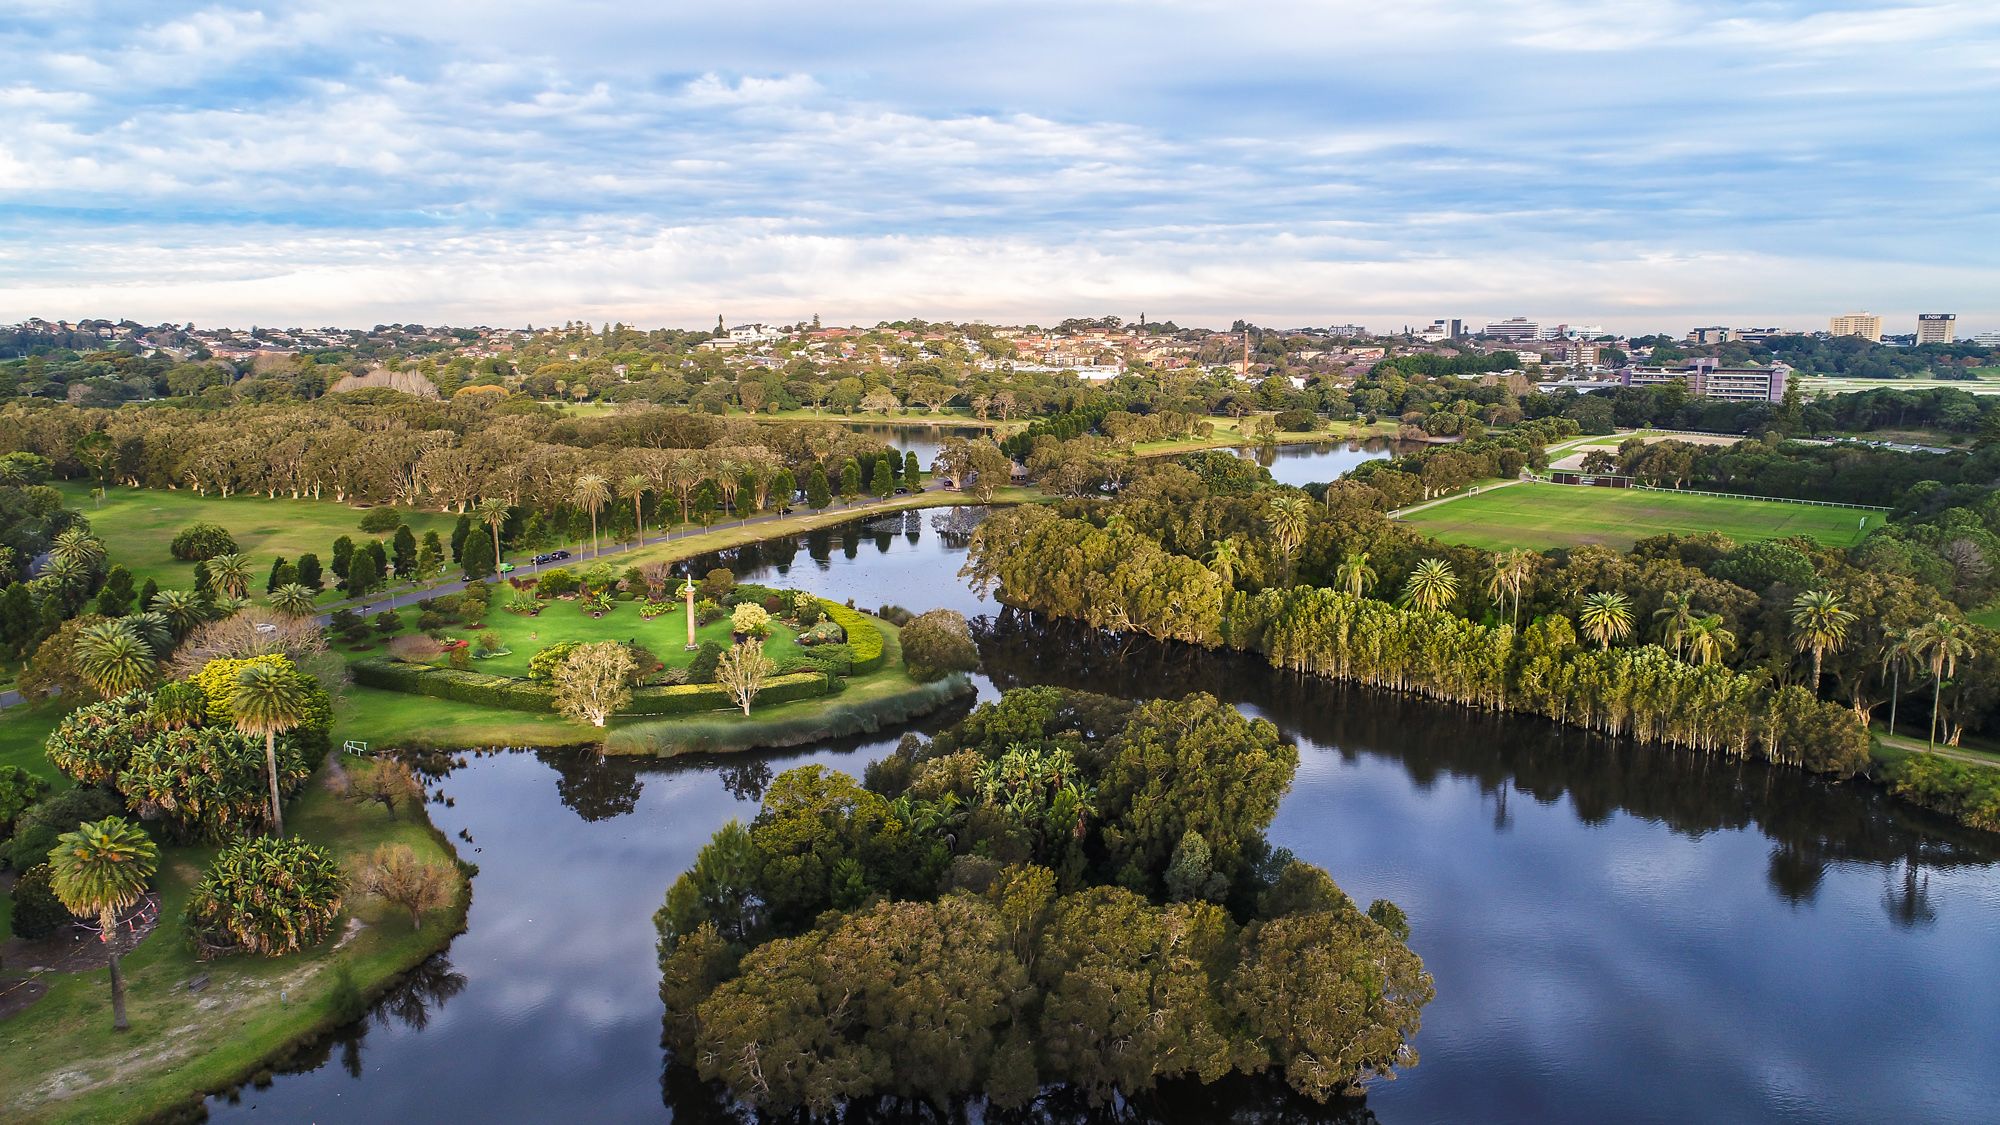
(1295, 163)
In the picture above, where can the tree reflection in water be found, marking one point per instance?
(595, 787)
(1814, 821)
(411, 1001)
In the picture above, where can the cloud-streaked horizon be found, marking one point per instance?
(1647, 165)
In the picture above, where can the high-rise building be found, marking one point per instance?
(1868, 326)
(1515, 328)
(1937, 328)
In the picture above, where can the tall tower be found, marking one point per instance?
(1937, 328)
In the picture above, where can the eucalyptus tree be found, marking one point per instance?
(97, 871)
(268, 700)
(1431, 586)
(1819, 626)
(1941, 643)
(1606, 616)
(592, 493)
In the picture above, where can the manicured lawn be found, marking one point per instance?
(60, 1060)
(1989, 617)
(137, 525)
(24, 731)
(1541, 516)
(561, 621)
(1230, 432)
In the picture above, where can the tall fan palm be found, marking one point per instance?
(1707, 641)
(1897, 651)
(592, 493)
(1679, 615)
(268, 700)
(1606, 616)
(79, 545)
(182, 608)
(1290, 515)
(1941, 643)
(230, 573)
(635, 487)
(113, 658)
(1355, 575)
(1819, 626)
(1431, 586)
(1509, 576)
(97, 871)
(493, 513)
(293, 600)
(1226, 560)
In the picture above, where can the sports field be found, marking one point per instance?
(138, 524)
(1541, 516)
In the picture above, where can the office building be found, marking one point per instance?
(1348, 330)
(1937, 328)
(1868, 326)
(1440, 330)
(1515, 328)
(1989, 339)
(1707, 378)
(1714, 335)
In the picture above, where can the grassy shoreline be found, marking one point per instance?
(61, 1062)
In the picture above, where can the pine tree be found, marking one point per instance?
(277, 567)
(343, 556)
(885, 477)
(477, 557)
(819, 493)
(458, 533)
(913, 471)
(850, 479)
(405, 555)
(364, 573)
(309, 572)
(147, 593)
(115, 599)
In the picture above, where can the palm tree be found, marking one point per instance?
(230, 573)
(79, 545)
(1707, 641)
(1508, 576)
(268, 700)
(592, 493)
(1225, 559)
(635, 486)
(1896, 652)
(293, 600)
(1431, 586)
(1680, 617)
(1606, 616)
(1820, 622)
(182, 608)
(1355, 575)
(97, 871)
(1289, 517)
(1941, 643)
(113, 658)
(493, 513)
(66, 571)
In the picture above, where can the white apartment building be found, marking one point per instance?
(1515, 328)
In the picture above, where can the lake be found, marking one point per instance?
(1616, 934)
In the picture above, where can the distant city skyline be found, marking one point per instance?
(1289, 163)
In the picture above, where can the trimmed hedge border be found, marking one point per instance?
(863, 636)
(518, 694)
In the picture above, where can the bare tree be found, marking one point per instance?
(742, 672)
(594, 682)
(402, 879)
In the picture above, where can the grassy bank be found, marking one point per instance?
(1231, 433)
(1541, 516)
(138, 524)
(61, 1062)
(867, 706)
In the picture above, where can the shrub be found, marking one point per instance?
(773, 604)
(489, 641)
(937, 644)
(895, 615)
(415, 648)
(198, 542)
(266, 896)
(475, 599)
(701, 670)
(750, 620)
(181, 703)
(706, 611)
(375, 521)
(717, 583)
(93, 743)
(37, 911)
(387, 622)
(208, 783)
(431, 621)
(19, 790)
(1297, 421)
(345, 621)
(542, 666)
(824, 633)
(556, 583)
(35, 830)
(476, 688)
(862, 635)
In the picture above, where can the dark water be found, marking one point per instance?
(1317, 462)
(1616, 934)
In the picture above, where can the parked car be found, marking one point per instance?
(558, 556)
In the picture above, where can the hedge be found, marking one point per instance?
(863, 635)
(516, 694)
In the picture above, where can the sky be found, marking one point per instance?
(1641, 164)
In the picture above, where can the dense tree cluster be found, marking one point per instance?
(1062, 890)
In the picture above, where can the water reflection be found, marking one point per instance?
(1303, 463)
(1616, 933)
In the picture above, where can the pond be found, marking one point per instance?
(924, 441)
(1616, 934)
(1318, 462)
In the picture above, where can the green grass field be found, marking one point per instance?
(1541, 516)
(1989, 617)
(561, 621)
(137, 525)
